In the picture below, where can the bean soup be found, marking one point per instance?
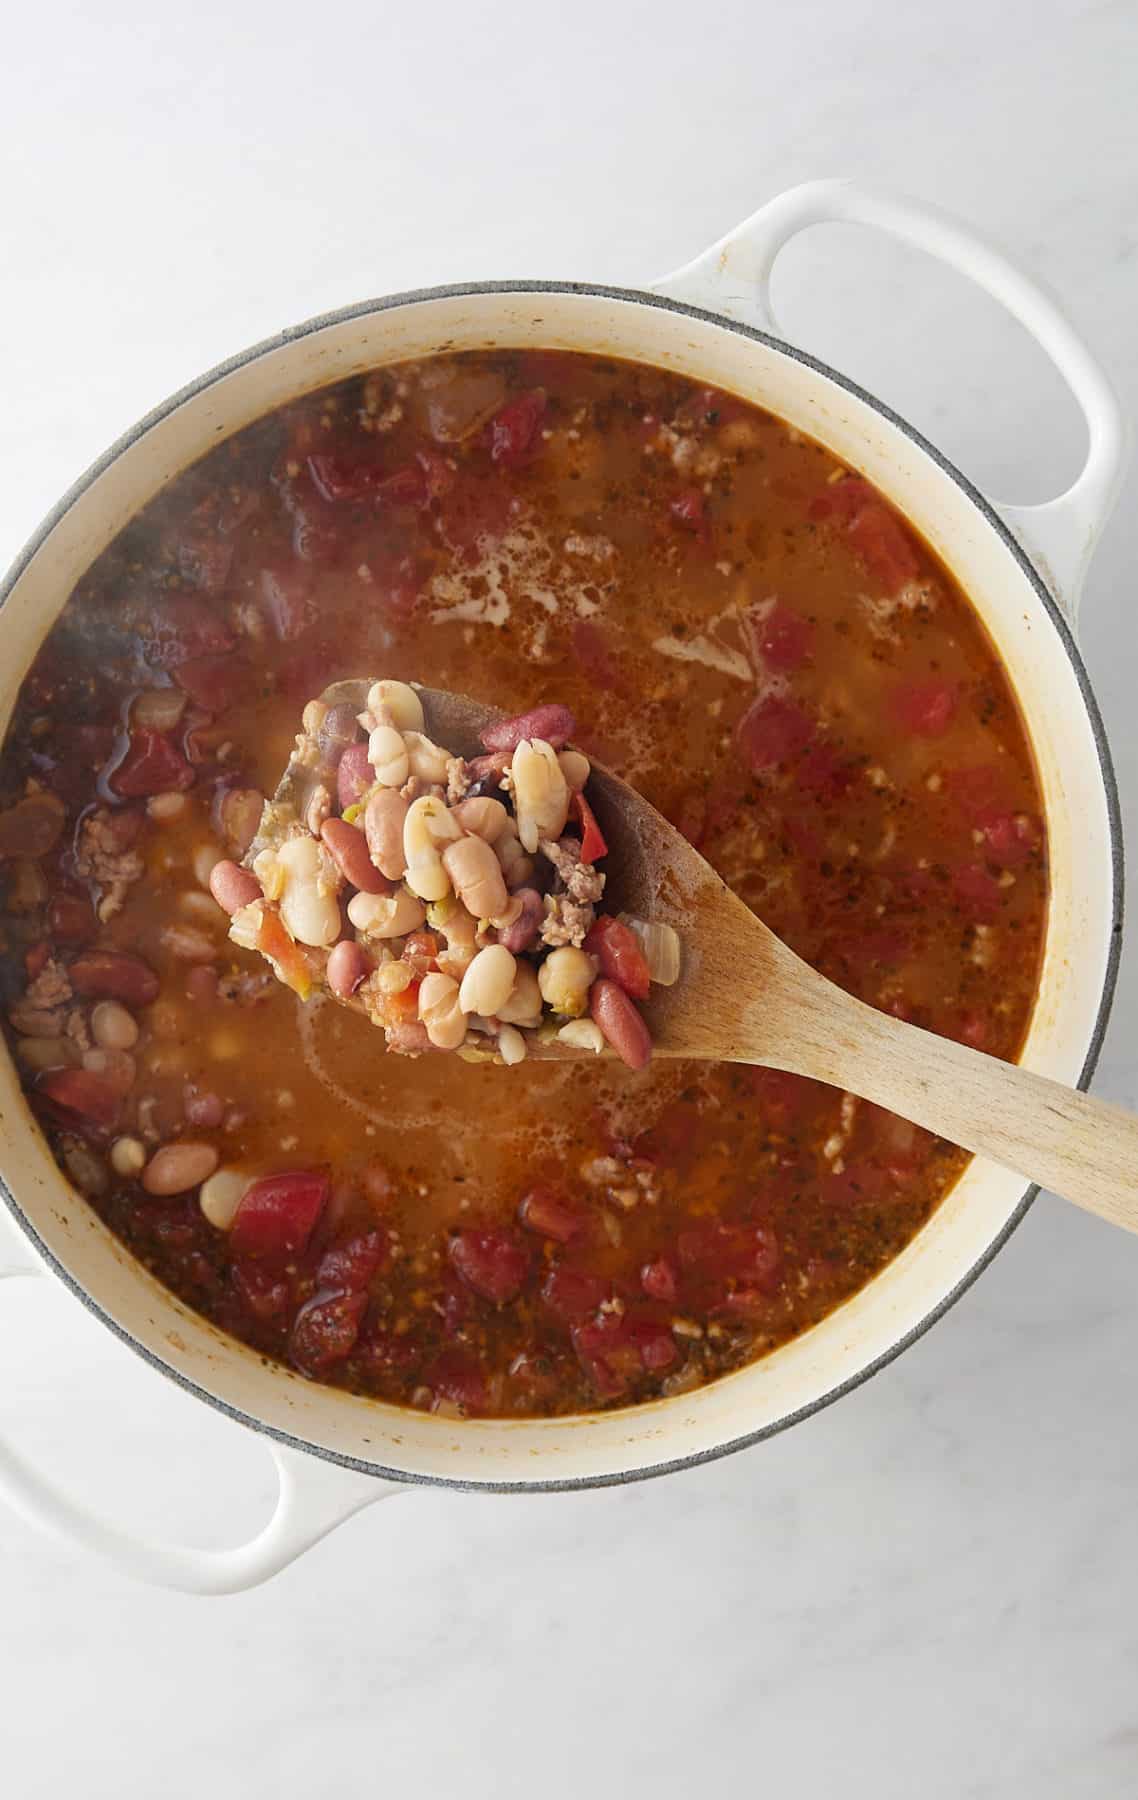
(746, 631)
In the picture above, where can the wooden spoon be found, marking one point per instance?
(742, 996)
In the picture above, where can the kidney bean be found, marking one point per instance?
(325, 1330)
(178, 1167)
(70, 919)
(353, 775)
(348, 848)
(553, 724)
(348, 965)
(114, 975)
(82, 1093)
(279, 1213)
(384, 818)
(522, 934)
(32, 827)
(233, 887)
(622, 1025)
(493, 1263)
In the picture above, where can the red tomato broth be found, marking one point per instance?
(746, 632)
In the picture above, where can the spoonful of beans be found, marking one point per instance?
(474, 884)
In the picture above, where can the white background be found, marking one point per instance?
(929, 1589)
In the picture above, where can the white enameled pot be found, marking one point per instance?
(1023, 570)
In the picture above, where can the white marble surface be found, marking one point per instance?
(930, 1588)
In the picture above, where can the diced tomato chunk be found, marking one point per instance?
(513, 434)
(216, 683)
(404, 487)
(339, 477)
(884, 546)
(325, 1330)
(550, 1215)
(274, 942)
(150, 764)
(494, 1263)
(571, 1293)
(1009, 839)
(455, 1376)
(773, 731)
(618, 950)
(783, 637)
(289, 602)
(262, 1290)
(182, 627)
(593, 845)
(925, 708)
(594, 657)
(355, 1263)
(659, 1279)
(977, 890)
(277, 1214)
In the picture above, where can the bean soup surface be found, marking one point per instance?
(743, 629)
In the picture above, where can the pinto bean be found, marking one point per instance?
(232, 886)
(112, 1027)
(554, 724)
(522, 933)
(622, 1025)
(348, 848)
(348, 965)
(114, 975)
(384, 818)
(178, 1167)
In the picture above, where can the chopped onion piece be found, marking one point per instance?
(661, 947)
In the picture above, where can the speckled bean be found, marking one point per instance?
(348, 848)
(348, 965)
(384, 818)
(232, 886)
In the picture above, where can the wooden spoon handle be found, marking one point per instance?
(1081, 1148)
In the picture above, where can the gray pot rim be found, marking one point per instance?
(635, 297)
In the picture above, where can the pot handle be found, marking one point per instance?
(313, 1497)
(734, 277)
